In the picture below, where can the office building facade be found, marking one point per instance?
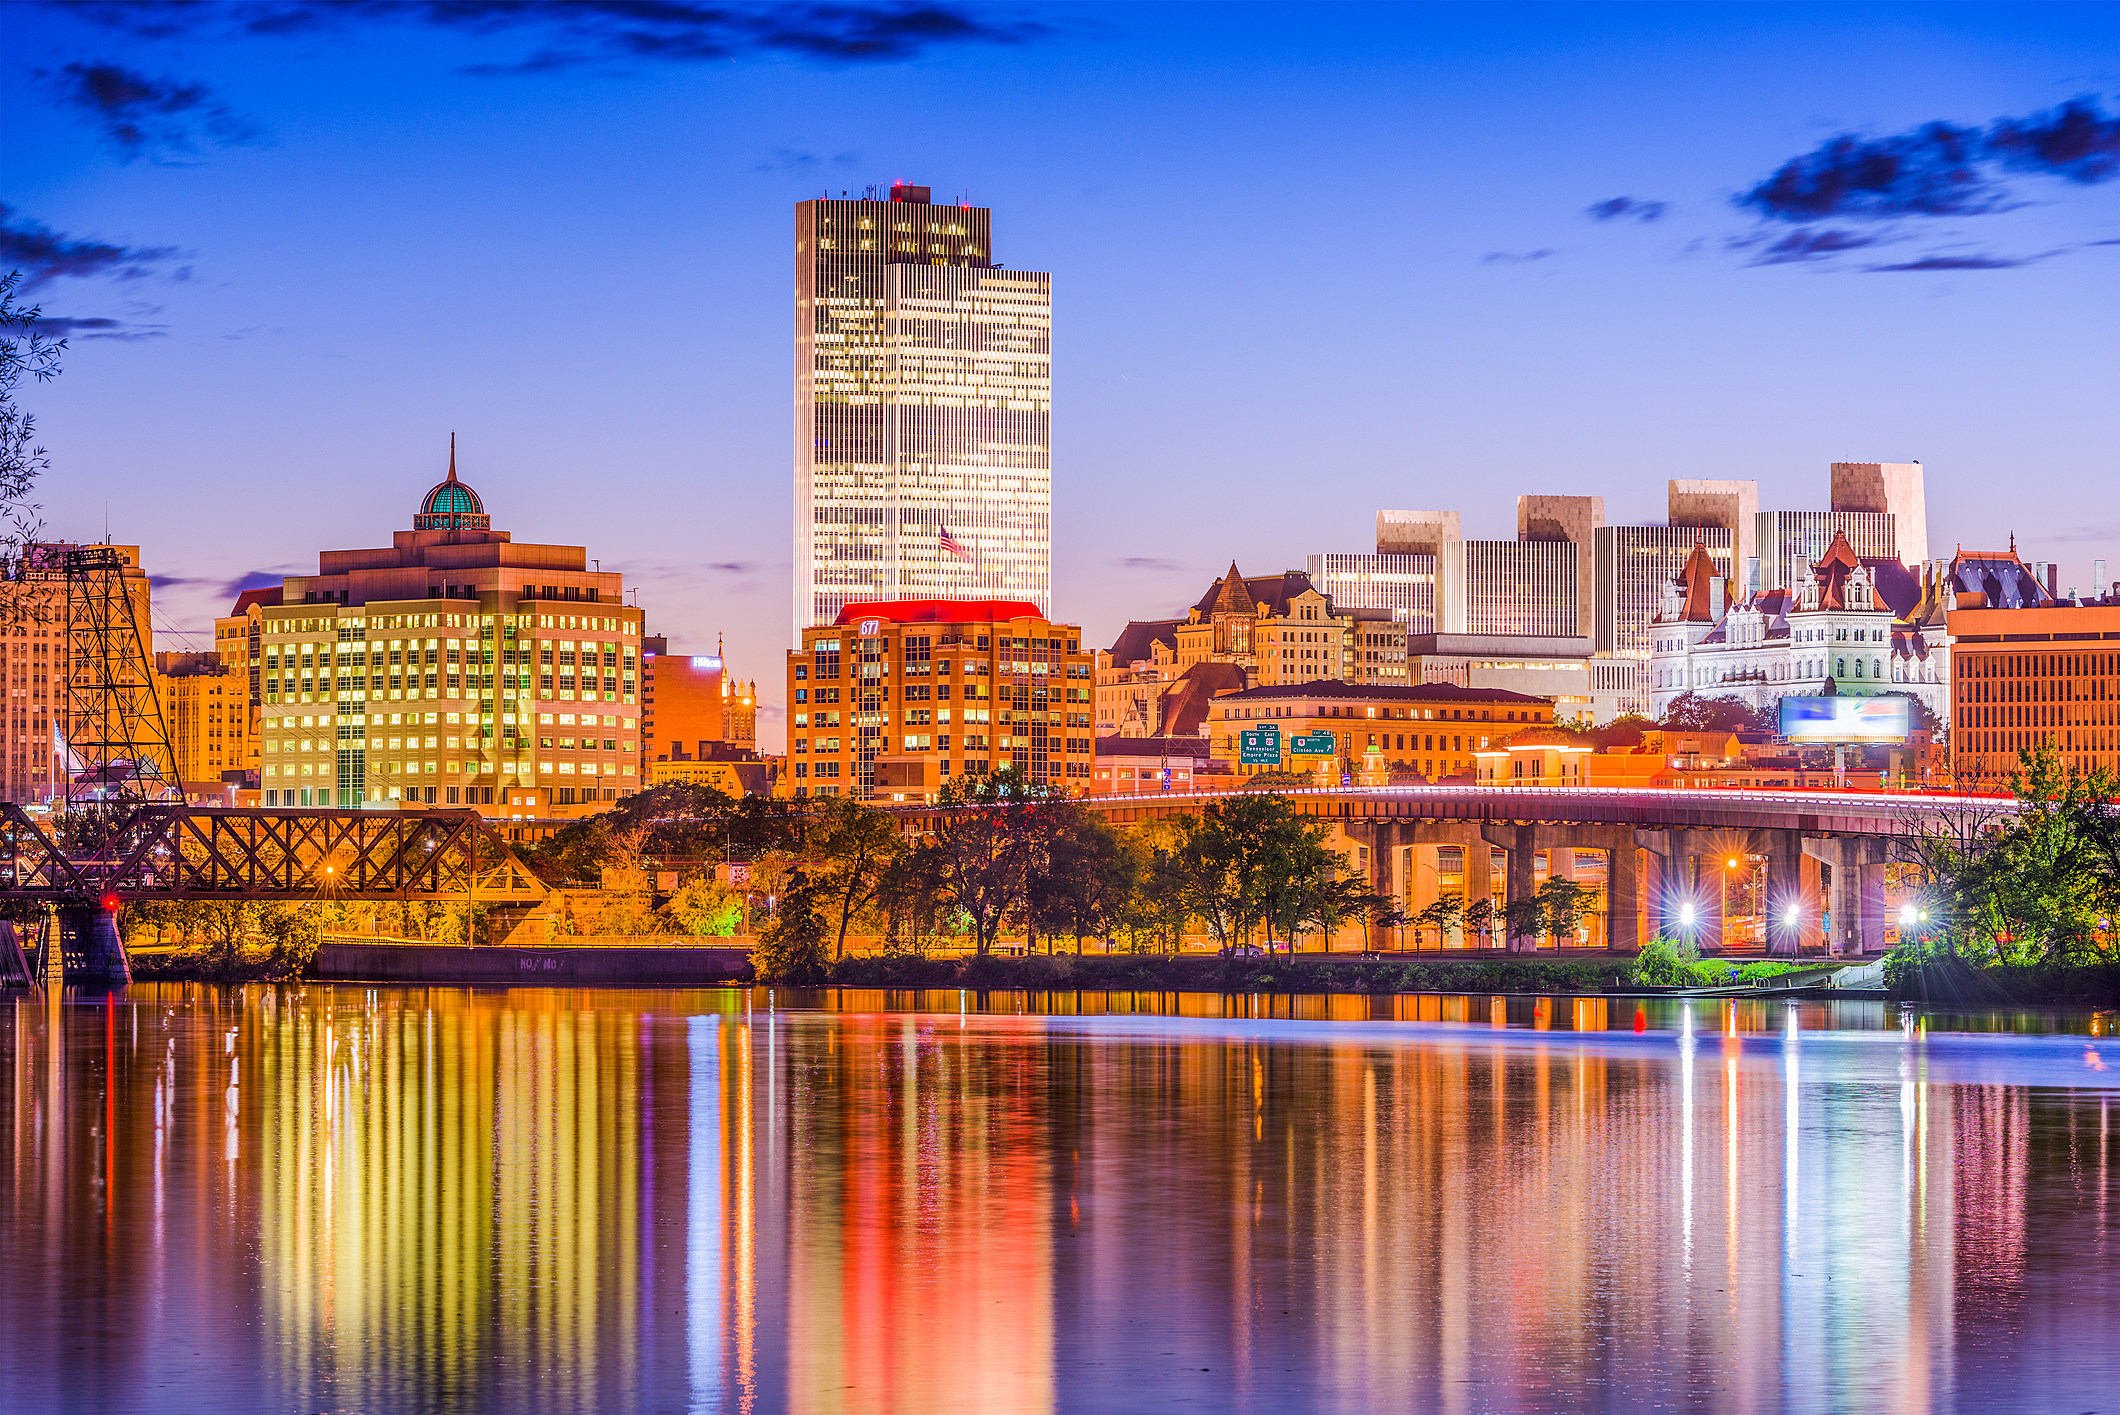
(901, 696)
(455, 667)
(1403, 585)
(923, 408)
(1791, 541)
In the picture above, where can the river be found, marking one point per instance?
(268, 1199)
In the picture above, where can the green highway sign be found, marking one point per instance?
(1261, 746)
(1316, 744)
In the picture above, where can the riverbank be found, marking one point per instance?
(1950, 982)
(1152, 972)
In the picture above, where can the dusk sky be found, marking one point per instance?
(1308, 261)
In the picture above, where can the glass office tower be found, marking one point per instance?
(923, 408)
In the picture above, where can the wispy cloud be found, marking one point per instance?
(1515, 257)
(1939, 169)
(97, 327)
(42, 254)
(1962, 262)
(1799, 246)
(143, 116)
(567, 34)
(1626, 208)
(790, 161)
(1148, 562)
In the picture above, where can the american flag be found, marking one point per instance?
(949, 543)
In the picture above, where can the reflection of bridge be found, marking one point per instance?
(165, 851)
(1784, 864)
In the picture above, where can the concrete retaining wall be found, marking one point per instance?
(560, 967)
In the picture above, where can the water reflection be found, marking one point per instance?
(352, 1199)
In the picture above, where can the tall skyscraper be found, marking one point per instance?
(1887, 488)
(923, 408)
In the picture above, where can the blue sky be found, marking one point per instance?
(1308, 261)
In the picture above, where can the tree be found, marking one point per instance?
(792, 949)
(1562, 905)
(855, 847)
(1479, 919)
(23, 351)
(1698, 712)
(1444, 913)
(707, 907)
(1248, 860)
(979, 854)
(1088, 876)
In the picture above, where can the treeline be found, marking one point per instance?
(1006, 857)
(2034, 891)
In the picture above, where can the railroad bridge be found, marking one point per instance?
(1787, 871)
(148, 851)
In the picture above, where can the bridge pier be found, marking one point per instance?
(89, 948)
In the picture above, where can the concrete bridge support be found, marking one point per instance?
(89, 948)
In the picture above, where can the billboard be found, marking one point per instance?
(1829, 720)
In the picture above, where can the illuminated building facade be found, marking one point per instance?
(1850, 628)
(2029, 671)
(206, 705)
(1789, 541)
(900, 696)
(33, 639)
(1583, 686)
(1403, 584)
(455, 667)
(690, 704)
(923, 409)
(1523, 587)
(1430, 731)
(1268, 628)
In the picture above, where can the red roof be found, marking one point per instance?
(268, 595)
(939, 611)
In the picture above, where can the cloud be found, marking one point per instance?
(147, 117)
(1808, 245)
(1632, 208)
(2076, 141)
(1514, 258)
(42, 254)
(733, 567)
(1933, 171)
(1149, 562)
(567, 34)
(254, 580)
(1939, 169)
(789, 160)
(96, 327)
(1962, 262)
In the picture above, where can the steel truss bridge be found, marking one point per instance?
(168, 851)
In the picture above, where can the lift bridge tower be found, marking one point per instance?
(115, 740)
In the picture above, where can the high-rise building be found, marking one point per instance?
(900, 696)
(206, 706)
(1705, 503)
(923, 408)
(1436, 537)
(1634, 563)
(1887, 489)
(1523, 587)
(1575, 520)
(454, 667)
(1791, 541)
(1403, 585)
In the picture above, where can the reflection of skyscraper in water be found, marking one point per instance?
(923, 408)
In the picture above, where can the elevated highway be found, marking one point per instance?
(1793, 871)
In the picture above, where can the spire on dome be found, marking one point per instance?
(451, 505)
(452, 454)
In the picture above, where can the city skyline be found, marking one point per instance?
(630, 338)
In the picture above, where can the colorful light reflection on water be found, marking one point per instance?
(348, 1199)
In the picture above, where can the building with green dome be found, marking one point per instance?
(456, 666)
